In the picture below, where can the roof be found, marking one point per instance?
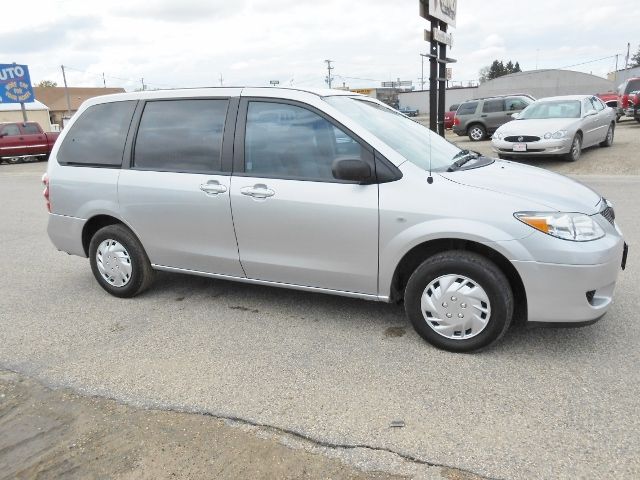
(10, 107)
(275, 92)
(55, 97)
(565, 97)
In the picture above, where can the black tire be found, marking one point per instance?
(141, 272)
(618, 118)
(476, 132)
(608, 140)
(481, 271)
(576, 149)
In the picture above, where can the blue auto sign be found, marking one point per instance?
(15, 84)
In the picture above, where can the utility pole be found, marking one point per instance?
(144, 87)
(221, 80)
(329, 68)
(104, 81)
(626, 60)
(66, 91)
(422, 75)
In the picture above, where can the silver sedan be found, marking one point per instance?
(560, 126)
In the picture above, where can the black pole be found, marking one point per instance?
(433, 81)
(442, 82)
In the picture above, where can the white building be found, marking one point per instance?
(36, 112)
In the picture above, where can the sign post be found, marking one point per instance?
(15, 85)
(440, 14)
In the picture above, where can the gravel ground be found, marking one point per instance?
(547, 403)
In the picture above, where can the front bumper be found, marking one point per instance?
(539, 148)
(563, 293)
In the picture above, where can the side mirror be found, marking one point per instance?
(515, 115)
(351, 169)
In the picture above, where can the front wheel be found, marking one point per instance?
(119, 262)
(459, 301)
(576, 149)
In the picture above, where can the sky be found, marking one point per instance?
(189, 43)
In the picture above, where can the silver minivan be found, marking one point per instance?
(331, 192)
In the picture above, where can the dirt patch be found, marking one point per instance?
(48, 433)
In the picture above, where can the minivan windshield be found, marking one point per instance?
(413, 141)
(551, 109)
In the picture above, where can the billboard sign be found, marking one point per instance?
(443, 10)
(15, 84)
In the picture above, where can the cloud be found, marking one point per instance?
(177, 11)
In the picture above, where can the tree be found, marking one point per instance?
(498, 69)
(47, 83)
(635, 60)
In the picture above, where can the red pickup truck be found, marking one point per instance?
(25, 141)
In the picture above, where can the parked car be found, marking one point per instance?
(409, 112)
(557, 126)
(481, 117)
(628, 86)
(148, 181)
(25, 141)
(449, 116)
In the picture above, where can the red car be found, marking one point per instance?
(21, 141)
(449, 116)
(628, 86)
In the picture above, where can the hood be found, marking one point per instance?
(541, 187)
(538, 126)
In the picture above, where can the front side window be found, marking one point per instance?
(597, 104)
(97, 138)
(10, 130)
(492, 106)
(30, 129)
(287, 141)
(467, 108)
(181, 136)
(515, 104)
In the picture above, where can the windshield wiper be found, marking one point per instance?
(463, 157)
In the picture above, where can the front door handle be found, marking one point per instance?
(259, 190)
(213, 187)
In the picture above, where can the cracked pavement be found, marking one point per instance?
(543, 403)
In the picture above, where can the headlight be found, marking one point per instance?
(577, 227)
(556, 135)
(559, 134)
(498, 135)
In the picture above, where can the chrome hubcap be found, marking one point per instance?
(455, 307)
(114, 263)
(610, 135)
(476, 133)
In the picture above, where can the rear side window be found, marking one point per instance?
(492, 106)
(97, 138)
(10, 130)
(453, 108)
(181, 136)
(30, 129)
(467, 108)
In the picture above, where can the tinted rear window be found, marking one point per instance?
(97, 138)
(181, 136)
(453, 108)
(467, 108)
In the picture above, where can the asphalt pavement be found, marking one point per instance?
(543, 403)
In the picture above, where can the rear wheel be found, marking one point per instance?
(477, 132)
(118, 261)
(576, 149)
(459, 301)
(608, 140)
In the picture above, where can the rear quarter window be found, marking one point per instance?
(467, 108)
(98, 137)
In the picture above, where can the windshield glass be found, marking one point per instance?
(552, 109)
(413, 141)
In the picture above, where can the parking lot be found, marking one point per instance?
(336, 372)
